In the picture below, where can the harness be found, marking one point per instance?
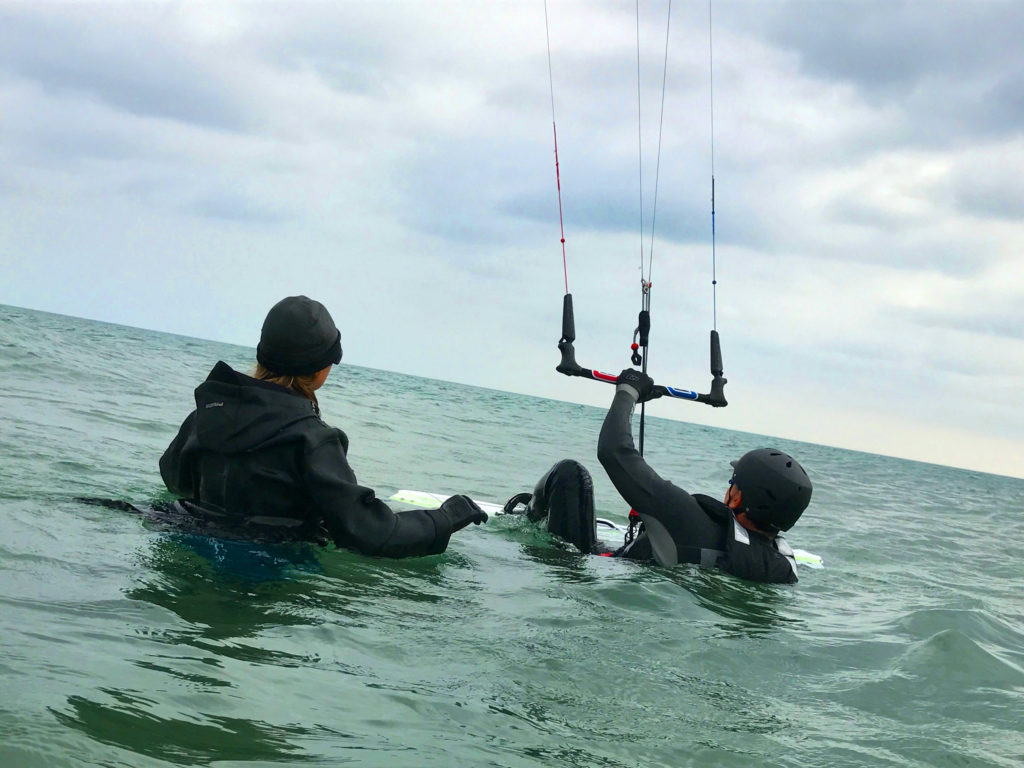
(756, 558)
(745, 554)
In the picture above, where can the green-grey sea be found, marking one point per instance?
(122, 645)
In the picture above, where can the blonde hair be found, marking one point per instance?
(301, 384)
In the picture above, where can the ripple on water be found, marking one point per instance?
(946, 675)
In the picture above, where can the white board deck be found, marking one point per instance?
(429, 500)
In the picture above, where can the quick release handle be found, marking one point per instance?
(644, 328)
(641, 338)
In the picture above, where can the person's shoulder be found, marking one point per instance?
(319, 433)
(713, 507)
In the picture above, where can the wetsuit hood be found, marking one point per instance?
(235, 412)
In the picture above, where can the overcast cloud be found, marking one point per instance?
(182, 166)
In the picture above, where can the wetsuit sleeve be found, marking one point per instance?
(672, 517)
(175, 469)
(357, 519)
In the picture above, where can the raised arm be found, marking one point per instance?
(671, 515)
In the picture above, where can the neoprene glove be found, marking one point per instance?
(639, 381)
(461, 511)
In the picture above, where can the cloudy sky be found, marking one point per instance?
(181, 166)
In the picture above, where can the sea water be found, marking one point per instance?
(126, 646)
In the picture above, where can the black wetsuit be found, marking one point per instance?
(256, 459)
(680, 527)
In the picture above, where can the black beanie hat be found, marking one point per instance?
(299, 338)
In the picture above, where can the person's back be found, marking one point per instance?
(244, 453)
(256, 458)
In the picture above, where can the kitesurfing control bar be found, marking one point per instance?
(569, 366)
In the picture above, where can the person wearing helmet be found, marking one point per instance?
(767, 494)
(254, 460)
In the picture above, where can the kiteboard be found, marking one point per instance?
(605, 528)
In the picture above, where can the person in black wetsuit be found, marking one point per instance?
(256, 461)
(768, 492)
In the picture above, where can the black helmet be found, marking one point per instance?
(775, 489)
(299, 338)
